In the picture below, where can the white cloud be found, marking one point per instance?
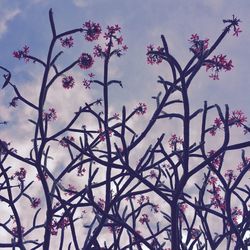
(5, 17)
(80, 3)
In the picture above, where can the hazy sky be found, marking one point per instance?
(25, 22)
(142, 21)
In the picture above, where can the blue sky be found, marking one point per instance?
(142, 21)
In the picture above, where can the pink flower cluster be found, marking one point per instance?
(235, 213)
(235, 23)
(174, 141)
(237, 117)
(242, 165)
(50, 115)
(102, 136)
(216, 200)
(87, 83)
(142, 199)
(67, 42)
(182, 207)
(91, 31)
(35, 202)
(114, 229)
(68, 82)
(112, 34)
(144, 219)
(81, 171)
(198, 46)
(141, 109)
(71, 190)
(44, 174)
(101, 203)
(22, 53)
(217, 64)
(56, 225)
(20, 174)
(85, 61)
(154, 56)
(216, 162)
(230, 175)
(152, 174)
(15, 231)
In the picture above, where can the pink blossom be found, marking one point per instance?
(119, 40)
(22, 53)
(112, 30)
(86, 83)
(50, 115)
(152, 174)
(81, 171)
(241, 165)
(217, 64)
(91, 31)
(174, 141)
(212, 180)
(141, 109)
(67, 42)
(182, 208)
(230, 175)
(142, 199)
(216, 200)
(71, 190)
(35, 202)
(218, 122)
(85, 61)
(15, 231)
(237, 118)
(155, 208)
(154, 57)
(101, 203)
(64, 141)
(216, 161)
(198, 46)
(44, 174)
(144, 219)
(53, 227)
(237, 31)
(235, 213)
(21, 174)
(98, 52)
(125, 47)
(63, 222)
(116, 116)
(68, 82)
(114, 228)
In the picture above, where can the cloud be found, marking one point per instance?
(5, 17)
(80, 3)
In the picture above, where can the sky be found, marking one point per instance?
(26, 22)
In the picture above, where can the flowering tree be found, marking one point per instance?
(113, 201)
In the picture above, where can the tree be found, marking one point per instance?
(116, 202)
